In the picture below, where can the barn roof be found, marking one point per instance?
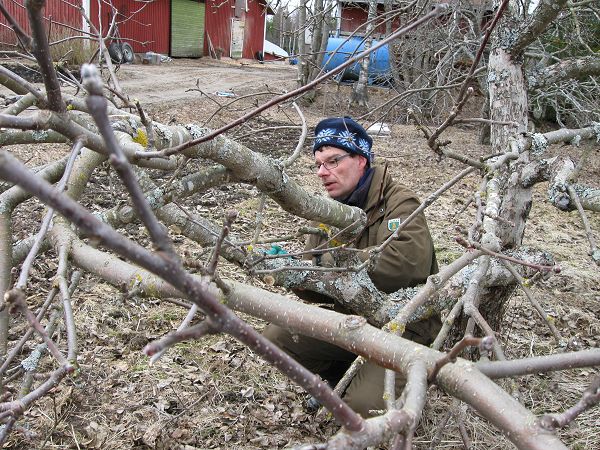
(270, 10)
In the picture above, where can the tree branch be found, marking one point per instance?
(545, 12)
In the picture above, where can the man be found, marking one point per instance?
(343, 156)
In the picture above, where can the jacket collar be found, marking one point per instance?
(376, 192)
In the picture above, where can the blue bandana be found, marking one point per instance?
(344, 133)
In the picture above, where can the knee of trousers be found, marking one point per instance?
(365, 393)
(276, 335)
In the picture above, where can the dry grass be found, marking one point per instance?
(71, 49)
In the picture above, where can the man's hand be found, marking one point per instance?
(276, 250)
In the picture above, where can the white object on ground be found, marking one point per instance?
(379, 129)
(269, 47)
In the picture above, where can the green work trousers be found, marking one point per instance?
(365, 392)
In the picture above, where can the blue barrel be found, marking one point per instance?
(379, 65)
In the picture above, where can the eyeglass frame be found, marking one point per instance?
(331, 164)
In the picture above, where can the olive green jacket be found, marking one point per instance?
(406, 261)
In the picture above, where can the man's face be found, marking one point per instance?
(340, 181)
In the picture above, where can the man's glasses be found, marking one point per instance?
(331, 164)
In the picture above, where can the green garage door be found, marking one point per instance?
(187, 28)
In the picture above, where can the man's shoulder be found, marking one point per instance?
(393, 188)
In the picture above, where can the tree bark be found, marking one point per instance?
(301, 44)
(569, 69)
(360, 94)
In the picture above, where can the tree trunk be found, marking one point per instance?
(319, 45)
(508, 103)
(301, 45)
(317, 32)
(360, 95)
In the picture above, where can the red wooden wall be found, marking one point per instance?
(146, 26)
(65, 16)
(254, 36)
(218, 26)
(353, 16)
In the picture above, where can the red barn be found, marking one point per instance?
(179, 28)
(237, 27)
(352, 14)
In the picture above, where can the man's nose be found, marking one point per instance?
(322, 170)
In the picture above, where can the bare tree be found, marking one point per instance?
(360, 94)
(472, 288)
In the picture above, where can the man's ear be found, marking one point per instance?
(362, 162)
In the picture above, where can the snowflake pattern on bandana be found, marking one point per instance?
(346, 137)
(325, 135)
(345, 134)
(364, 146)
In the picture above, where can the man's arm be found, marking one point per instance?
(406, 261)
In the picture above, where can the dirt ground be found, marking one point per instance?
(216, 394)
(183, 79)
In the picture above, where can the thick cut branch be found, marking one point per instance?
(576, 69)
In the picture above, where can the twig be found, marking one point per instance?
(147, 124)
(545, 317)
(26, 267)
(62, 272)
(227, 105)
(484, 344)
(539, 364)
(197, 331)
(594, 252)
(389, 389)
(15, 298)
(464, 435)
(294, 156)
(259, 218)
(19, 406)
(471, 305)
(440, 147)
(590, 398)
(262, 130)
(24, 39)
(344, 382)
(229, 219)
(287, 237)
(460, 103)
(539, 267)
(447, 324)
(23, 82)
(414, 397)
(41, 51)
(41, 313)
(433, 284)
(486, 121)
(186, 321)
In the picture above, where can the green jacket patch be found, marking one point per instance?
(394, 224)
